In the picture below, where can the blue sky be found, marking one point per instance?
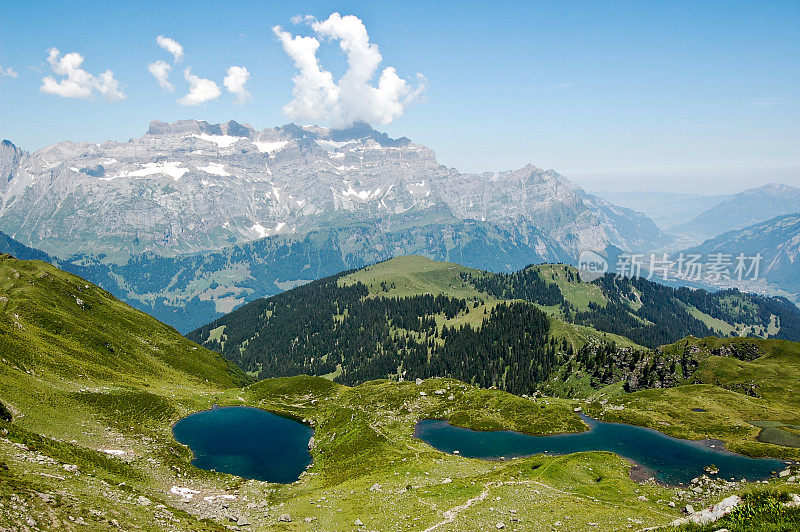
(680, 96)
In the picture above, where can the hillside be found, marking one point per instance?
(746, 390)
(411, 317)
(741, 210)
(89, 389)
(84, 377)
(190, 290)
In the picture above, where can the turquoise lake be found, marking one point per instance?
(246, 442)
(670, 460)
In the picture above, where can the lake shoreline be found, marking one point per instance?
(668, 461)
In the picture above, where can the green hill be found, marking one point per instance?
(84, 377)
(412, 317)
(745, 391)
(89, 389)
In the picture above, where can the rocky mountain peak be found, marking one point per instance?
(191, 186)
(10, 157)
(359, 131)
(184, 127)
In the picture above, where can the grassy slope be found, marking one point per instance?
(579, 294)
(359, 446)
(81, 372)
(716, 387)
(82, 378)
(414, 275)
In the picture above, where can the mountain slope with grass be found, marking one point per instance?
(744, 391)
(86, 383)
(89, 389)
(411, 317)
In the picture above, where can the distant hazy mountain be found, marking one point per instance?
(664, 208)
(778, 242)
(191, 186)
(741, 210)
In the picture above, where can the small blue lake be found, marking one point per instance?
(246, 442)
(670, 460)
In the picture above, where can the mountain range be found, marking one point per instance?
(91, 389)
(666, 209)
(411, 317)
(739, 211)
(193, 219)
(191, 186)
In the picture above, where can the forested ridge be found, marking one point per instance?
(322, 328)
(495, 335)
(649, 313)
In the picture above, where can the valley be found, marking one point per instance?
(90, 439)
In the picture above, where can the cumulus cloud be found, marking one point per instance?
(160, 71)
(8, 72)
(75, 81)
(172, 46)
(317, 97)
(235, 81)
(201, 90)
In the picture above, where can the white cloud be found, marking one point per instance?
(76, 82)
(8, 72)
(172, 46)
(318, 98)
(160, 71)
(201, 90)
(235, 81)
(297, 19)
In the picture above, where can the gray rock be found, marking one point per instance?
(285, 518)
(712, 514)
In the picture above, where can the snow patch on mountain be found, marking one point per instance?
(270, 147)
(215, 169)
(361, 194)
(223, 141)
(173, 169)
(260, 230)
